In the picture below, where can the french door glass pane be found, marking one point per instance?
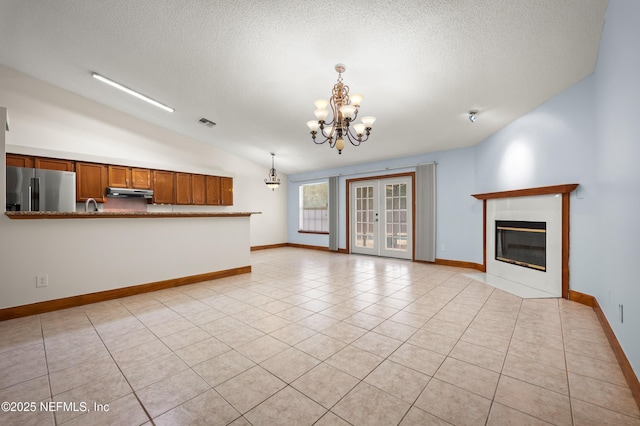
(365, 216)
(396, 217)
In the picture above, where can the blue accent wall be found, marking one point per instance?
(617, 86)
(552, 145)
(459, 218)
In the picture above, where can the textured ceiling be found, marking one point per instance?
(255, 67)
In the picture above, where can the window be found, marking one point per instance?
(314, 208)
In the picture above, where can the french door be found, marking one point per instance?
(381, 217)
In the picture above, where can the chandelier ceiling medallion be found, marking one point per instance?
(344, 110)
(272, 181)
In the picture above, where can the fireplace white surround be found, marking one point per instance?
(544, 204)
(538, 208)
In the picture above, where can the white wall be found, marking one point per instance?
(48, 121)
(83, 256)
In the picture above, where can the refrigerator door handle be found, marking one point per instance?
(34, 196)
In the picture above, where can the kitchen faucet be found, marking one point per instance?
(86, 205)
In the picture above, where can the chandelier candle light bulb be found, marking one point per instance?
(344, 110)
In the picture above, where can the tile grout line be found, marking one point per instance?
(46, 362)
(566, 365)
(118, 365)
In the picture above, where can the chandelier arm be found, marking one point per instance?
(354, 140)
(328, 136)
(327, 139)
(357, 140)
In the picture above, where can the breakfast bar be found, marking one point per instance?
(121, 215)
(85, 257)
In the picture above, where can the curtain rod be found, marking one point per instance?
(364, 172)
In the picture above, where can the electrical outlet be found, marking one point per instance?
(443, 247)
(42, 280)
(621, 313)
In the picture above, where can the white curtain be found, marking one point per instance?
(426, 212)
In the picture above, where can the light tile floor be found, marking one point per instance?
(317, 338)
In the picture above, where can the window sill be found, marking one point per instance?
(312, 232)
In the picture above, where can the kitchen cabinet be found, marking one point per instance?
(212, 190)
(198, 190)
(91, 181)
(17, 160)
(129, 177)
(183, 188)
(163, 187)
(226, 191)
(54, 164)
(140, 178)
(219, 191)
(119, 176)
(168, 187)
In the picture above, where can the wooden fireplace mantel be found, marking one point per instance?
(565, 190)
(542, 190)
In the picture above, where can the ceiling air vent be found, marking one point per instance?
(207, 122)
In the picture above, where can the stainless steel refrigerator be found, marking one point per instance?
(40, 190)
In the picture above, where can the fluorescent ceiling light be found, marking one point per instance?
(131, 91)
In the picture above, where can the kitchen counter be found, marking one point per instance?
(127, 215)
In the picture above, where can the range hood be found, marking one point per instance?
(128, 193)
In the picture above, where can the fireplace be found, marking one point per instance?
(540, 216)
(521, 243)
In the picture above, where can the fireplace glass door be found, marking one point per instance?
(522, 243)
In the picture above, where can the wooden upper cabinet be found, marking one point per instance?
(226, 191)
(219, 191)
(140, 178)
(213, 190)
(163, 187)
(129, 177)
(91, 181)
(54, 164)
(119, 176)
(198, 190)
(183, 188)
(17, 160)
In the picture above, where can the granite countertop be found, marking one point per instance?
(110, 215)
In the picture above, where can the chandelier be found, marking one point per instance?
(273, 181)
(344, 110)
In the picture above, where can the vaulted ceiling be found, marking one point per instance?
(256, 67)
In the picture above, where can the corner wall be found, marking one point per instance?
(618, 174)
(552, 145)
